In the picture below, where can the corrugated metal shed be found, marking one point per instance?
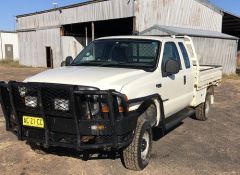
(213, 48)
(198, 18)
(170, 30)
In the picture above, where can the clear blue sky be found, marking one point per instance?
(11, 8)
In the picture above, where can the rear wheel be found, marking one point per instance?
(137, 155)
(202, 111)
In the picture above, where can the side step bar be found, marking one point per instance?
(175, 119)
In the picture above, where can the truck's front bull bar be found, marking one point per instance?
(68, 115)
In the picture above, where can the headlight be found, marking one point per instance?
(93, 105)
(31, 101)
(61, 105)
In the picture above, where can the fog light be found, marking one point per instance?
(97, 127)
(61, 105)
(31, 101)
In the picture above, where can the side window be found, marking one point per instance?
(170, 52)
(185, 55)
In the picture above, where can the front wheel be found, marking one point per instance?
(137, 155)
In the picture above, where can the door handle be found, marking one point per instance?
(185, 79)
(158, 85)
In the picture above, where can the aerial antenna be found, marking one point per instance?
(55, 5)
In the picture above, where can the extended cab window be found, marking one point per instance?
(142, 52)
(170, 52)
(185, 55)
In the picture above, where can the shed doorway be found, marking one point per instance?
(9, 51)
(88, 31)
(49, 57)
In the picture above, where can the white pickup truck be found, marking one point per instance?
(112, 95)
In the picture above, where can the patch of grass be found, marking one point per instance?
(231, 76)
(10, 63)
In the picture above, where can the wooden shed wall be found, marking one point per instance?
(178, 13)
(33, 47)
(104, 10)
(212, 51)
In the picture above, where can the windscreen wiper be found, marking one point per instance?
(86, 63)
(113, 64)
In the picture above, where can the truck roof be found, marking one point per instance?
(158, 38)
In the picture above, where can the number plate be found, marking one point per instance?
(36, 122)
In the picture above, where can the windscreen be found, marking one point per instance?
(129, 53)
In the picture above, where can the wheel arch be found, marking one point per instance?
(150, 110)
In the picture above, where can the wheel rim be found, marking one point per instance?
(207, 108)
(145, 145)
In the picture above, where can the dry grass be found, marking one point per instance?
(10, 63)
(231, 76)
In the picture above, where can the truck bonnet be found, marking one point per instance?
(99, 77)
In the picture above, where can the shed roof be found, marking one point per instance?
(211, 6)
(169, 30)
(7, 31)
(86, 2)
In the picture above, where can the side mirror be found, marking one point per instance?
(68, 61)
(172, 67)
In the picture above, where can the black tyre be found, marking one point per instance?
(202, 111)
(137, 155)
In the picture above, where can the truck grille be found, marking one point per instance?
(56, 101)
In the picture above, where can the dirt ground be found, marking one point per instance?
(194, 147)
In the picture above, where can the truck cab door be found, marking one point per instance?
(175, 90)
(188, 72)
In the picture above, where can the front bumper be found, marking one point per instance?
(68, 128)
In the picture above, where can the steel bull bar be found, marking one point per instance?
(65, 127)
(71, 114)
